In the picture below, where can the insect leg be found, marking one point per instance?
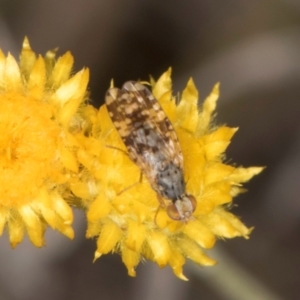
(116, 148)
(161, 201)
(132, 185)
(162, 205)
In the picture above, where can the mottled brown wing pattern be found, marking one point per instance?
(156, 118)
(151, 142)
(143, 125)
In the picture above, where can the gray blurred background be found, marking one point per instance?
(252, 48)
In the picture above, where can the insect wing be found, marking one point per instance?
(144, 127)
(155, 117)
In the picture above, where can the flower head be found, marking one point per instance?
(126, 216)
(41, 111)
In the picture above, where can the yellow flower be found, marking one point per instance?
(41, 111)
(123, 215)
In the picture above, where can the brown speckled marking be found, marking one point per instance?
(152, 144)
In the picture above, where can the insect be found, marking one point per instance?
(152, 145)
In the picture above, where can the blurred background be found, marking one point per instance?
(252, 48)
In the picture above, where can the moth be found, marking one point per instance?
(152, 145)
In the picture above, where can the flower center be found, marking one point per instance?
(28, 147)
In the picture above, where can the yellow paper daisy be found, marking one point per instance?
(122, 214)
(41, 111)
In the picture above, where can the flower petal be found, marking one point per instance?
(187, 108)
(27, 58)
(159, 246)
(209, 106)
(130, 259)
(12, 75)
(61, 70)
(245, 174)
(110, 235)
(163, 84)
